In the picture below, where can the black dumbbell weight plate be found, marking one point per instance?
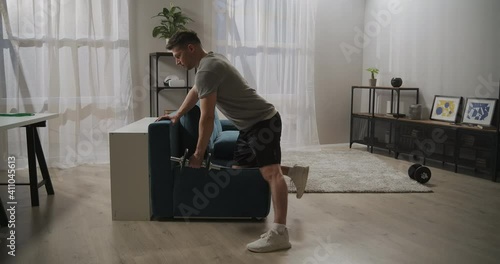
(412, 169)
(422, 174)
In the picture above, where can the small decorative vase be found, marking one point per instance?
(373, 82)
(396, 82)
(415, 111)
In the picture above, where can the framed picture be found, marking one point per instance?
(479, 111)
(446, 108)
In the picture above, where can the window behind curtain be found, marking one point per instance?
(67, 57)
(271, 43)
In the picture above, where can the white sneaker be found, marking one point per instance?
(299, 175)
(270, 241)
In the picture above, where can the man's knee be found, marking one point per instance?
(271, 172)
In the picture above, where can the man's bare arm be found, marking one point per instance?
(189, 102)
(206, 126)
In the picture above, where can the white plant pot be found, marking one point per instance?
(166, 42)
(373, 82)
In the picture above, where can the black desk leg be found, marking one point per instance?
(30, 141)
(35, 152)
(3, 215)
(43, 164)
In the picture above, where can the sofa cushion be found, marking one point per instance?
(217, 130)
(190, 128)
(227, 125)
(225, 144)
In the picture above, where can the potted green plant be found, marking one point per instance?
(374, 72)
(171, 21)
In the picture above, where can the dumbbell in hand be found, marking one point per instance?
(184, 162)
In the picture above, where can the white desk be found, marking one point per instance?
(34, 151)
(128, 150)
(7, 122)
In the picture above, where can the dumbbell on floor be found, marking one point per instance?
(184, 162)
(419, 173)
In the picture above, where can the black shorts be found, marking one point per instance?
(259, 145)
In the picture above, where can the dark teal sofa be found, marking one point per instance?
(199, 193)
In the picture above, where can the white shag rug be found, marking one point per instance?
(341, 170)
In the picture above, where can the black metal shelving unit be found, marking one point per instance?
(154, 88)
(370, 120)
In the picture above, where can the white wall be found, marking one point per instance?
(445, 47)
(336, 69)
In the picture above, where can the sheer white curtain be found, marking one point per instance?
(67, 57)
(271, 42)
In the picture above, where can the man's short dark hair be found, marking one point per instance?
(182, 39)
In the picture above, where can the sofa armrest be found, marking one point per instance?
(227, 125)
(163, 138)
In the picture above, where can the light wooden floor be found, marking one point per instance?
(458, 223)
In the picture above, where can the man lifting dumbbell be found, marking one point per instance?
(217, 82)
(184, 161)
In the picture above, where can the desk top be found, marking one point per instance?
(8, 122)
(140, 126)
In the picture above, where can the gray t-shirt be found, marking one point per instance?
(235, 99)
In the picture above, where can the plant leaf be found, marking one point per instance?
(171, 21)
